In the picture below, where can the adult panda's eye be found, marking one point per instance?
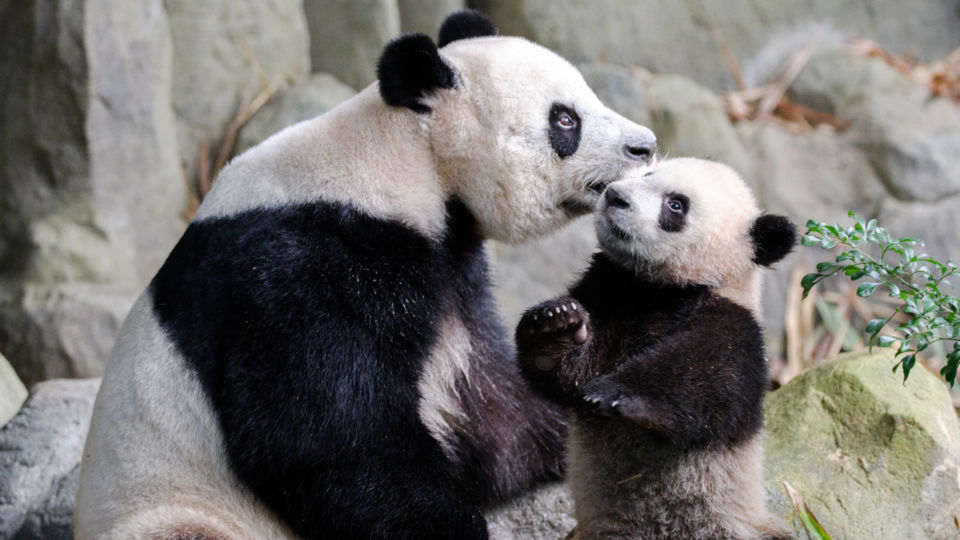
(565, 121)
(564, 130)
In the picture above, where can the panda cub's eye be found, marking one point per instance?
(565, 121)
(675, 205)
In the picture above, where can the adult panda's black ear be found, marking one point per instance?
(410, 68)
(465, 24)
(773, 238)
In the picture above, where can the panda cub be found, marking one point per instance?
(659, 353)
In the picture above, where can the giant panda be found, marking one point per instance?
(659, 352)
(320, 356)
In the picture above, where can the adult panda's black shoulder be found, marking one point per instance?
(320, 355)
(659, 352)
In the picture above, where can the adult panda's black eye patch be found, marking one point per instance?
(673, 212)
(564, 130)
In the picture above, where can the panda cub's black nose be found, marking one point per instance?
(615, 199)
(640, 150)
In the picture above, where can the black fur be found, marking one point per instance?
(671, 219)
(465, 24)
(681, 361)
(564, 140)
(308, 327)
(410, 68)
(773, 238)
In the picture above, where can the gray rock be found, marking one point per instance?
(425, 16)
(40, 451)
(90, 187)
(911, 139)
(623, 89)
(12, 391)
(87, 147)
(63, 330)
(677, 37)
(219, 48)
(347, 36)
(544, 514)
(690, 120)
(529, 273)
(872, 457)
(311, 97)
(935, 223)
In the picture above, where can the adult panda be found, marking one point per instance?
(320, 356)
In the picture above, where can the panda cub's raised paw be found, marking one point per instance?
(602, 396)
(559, 317)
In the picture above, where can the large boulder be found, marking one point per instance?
(347, 36)
(40, 451)
(12, 392)
(871, 456)
(63, 330)
(679, 37)
(311, 97)
(90, 185)
(225, 51)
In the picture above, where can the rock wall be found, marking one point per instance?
(681, 36)
(347, 36)
(225, 51)
(91, 201)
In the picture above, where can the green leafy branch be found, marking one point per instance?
(915, 282)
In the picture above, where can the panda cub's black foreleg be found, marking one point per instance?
(553, 345)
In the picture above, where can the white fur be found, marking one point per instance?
(154, 462)
(447, 364)
(714, 248)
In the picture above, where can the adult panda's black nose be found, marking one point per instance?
(615, 199)
(640, 150)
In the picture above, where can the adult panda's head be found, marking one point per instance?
(690, 222)
(516, 133)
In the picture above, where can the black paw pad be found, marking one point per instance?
(560, 317)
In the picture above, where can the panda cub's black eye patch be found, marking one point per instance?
(564, 130)
(673, 212)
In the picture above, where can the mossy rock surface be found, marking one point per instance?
(872, 457)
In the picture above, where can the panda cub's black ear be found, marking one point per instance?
(773, 238)
(465, 24)
(409, 68)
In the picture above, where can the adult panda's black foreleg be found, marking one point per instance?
(508, 439)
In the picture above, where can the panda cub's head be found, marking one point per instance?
(690, 222)
(515, 132)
